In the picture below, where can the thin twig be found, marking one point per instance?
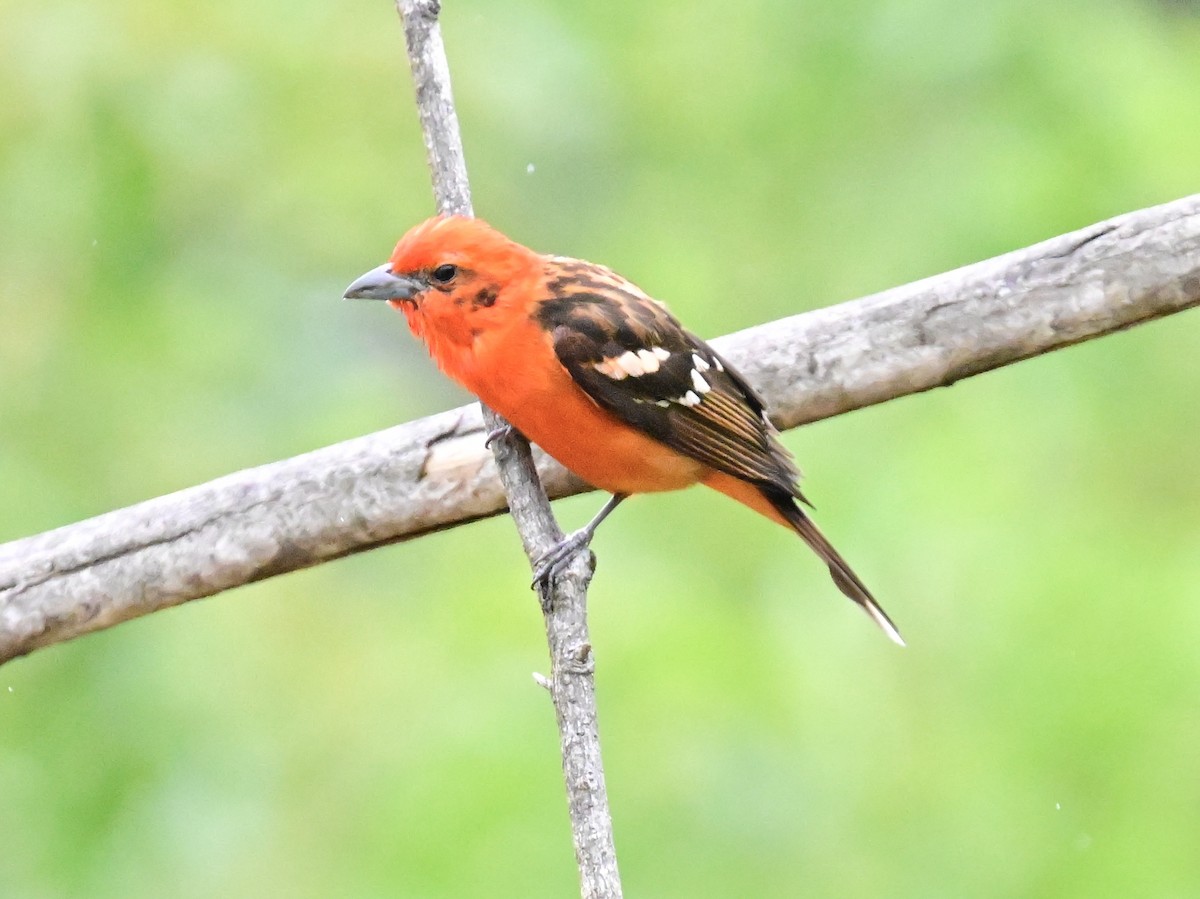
(563, 598)
(434, 473)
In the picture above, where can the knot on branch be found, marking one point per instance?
(579, 659)
(428, 10)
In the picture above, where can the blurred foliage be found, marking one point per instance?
(185, 190)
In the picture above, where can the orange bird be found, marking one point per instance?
(599, 375)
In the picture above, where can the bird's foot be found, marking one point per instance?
(503, 432)
(554, 560)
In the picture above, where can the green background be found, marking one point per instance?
(185, 189)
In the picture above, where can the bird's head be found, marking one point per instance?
(445, 269)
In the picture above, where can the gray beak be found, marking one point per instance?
(381, 284)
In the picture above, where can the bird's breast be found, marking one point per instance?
(521, 378)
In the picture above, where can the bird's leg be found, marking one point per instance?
(554, 559)
(504, 431)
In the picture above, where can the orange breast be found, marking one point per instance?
(515, 372)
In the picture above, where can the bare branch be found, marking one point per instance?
(1104, 278)
(435, 473)
(435, 105)
(563, 598)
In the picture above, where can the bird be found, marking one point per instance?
(600, 375)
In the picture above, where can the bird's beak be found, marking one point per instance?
(382, 284)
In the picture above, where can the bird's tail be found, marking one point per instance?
(781, 507)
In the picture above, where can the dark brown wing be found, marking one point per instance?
(630, 355)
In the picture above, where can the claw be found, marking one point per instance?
(555, 559)
(559, 556)
(494, 434)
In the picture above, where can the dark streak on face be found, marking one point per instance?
(485, 298)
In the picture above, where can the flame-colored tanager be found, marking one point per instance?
(597, 373)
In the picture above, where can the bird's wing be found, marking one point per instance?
(633, 358)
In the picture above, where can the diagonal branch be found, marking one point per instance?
(434, 473)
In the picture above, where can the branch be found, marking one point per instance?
(563, 597)
(434, 473)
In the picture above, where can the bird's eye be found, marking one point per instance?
(445, 273)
